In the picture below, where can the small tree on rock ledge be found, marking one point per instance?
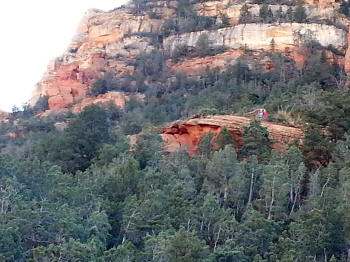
(256, 141)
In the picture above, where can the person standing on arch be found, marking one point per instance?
(265, 114)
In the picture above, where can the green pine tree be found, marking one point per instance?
(300, 13)
(256, 141)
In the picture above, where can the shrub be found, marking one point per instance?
(179, 52)
(316, 148)
(300, 13)
(203, 45)
(41, 105)
(345, 8)
(168, 27)
(245, 15)
(150, 64)
(98, 88)
(154, 15)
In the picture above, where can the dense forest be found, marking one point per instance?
(72, 188)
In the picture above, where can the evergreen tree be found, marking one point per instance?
(255, 141)
(290, 14)
(264, 12)
(99, 87)
(270, 15)
(205, 146)
(224, 175)
(300, 13)
(245, 15)
(183, 246)
(272, 44)
(280, 15)
(225, 138)
(274, 189)
(203, 45)
(316, 148)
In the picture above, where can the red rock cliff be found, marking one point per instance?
(105, 41)
(189, 133)
(111, 41)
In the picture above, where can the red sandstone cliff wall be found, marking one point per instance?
(110, 42)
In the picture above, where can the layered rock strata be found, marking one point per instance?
(111, 42)
(188, 134)
(265, 36)
(105, 41)
(232, 11)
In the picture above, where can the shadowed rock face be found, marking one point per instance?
(189, 133)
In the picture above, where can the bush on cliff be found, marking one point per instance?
(345, 8)
(300, 12)
(102, 86)
(187, 20)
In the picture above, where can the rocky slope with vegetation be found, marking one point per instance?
(226, 187)
(110, 42)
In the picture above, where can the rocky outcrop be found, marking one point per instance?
(260, 36)
(105, 41)
(4, 116)
(189, 133)
(251, 40)
(118, 98)
(326, 10)
(111, 41)
(322, 3)
(198, 65)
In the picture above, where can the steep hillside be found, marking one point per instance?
(142, 144)
(110, 42)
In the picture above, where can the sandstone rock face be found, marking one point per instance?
(105, 41)
(4, 116)
(322, 3)
(189, 133)
(259, 36)
(325, 10)
(199, 65)
(111, 41)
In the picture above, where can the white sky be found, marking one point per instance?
(31, 34)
